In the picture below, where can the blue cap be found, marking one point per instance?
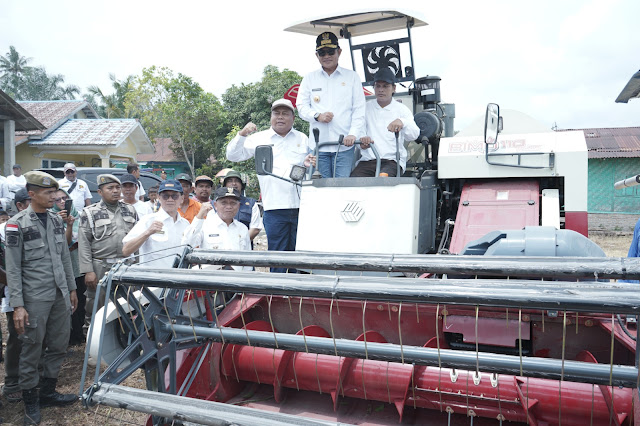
(170, 185)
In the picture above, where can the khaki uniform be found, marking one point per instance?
(100, 242)
(40, 277)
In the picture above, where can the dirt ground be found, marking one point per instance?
(69, 381)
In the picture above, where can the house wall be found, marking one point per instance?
(30, 157)
(603, 173)
(614, 210)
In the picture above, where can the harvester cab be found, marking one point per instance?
(454, 190)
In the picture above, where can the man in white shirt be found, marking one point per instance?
(134, 169)
(219, 230)
(385, 117)
(157, 237)
(5, 195)
(281, 199)
(76, 188)
(16, 181)
(129, 188)
(249, 213)
(331, 99)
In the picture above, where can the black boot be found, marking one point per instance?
(31, 407)
(49, 397)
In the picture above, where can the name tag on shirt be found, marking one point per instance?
(317, 90)
(213, 235)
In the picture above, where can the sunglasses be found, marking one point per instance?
(69, 172)
(329, 52)
(173, 196)
(58, 200)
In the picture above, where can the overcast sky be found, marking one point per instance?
(560, 62)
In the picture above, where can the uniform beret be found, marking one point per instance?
(105, 179)
(42, 179)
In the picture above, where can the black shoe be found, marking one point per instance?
(50, 398)
(31, 407)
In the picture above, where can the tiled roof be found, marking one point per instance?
(51, 112)
(621, 142)
(23, 120)
(90, 132)
(163, 152)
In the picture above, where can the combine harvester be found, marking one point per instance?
(463, 292)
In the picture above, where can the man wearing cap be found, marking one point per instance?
(281, 199)
(77, 188)
(219, 231)
(103, 225)
(129, 190)
(42, 293)
(15, 181)
(157, 237)
(189, 207)
(204, 186)
(249, 213)
(11, 389)
(385, 118)
(331, 99)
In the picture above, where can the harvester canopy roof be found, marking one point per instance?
(360, 22)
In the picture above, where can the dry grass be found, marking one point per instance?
(69, 379)
(69, 382)
(613, 245)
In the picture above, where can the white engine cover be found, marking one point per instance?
(354, 215)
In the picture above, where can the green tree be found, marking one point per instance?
(174, 106)
(13, 67)
(24, 82)
(38, 85)
(111, 106)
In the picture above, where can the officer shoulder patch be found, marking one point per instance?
(12, 239)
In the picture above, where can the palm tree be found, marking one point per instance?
(13, 66)
(112, 106)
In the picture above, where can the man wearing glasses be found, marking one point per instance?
(76, 188)
(157, 237)
(331, 99)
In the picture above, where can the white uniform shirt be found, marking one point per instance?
(256, 219)
(168, 242)
(340, 93)
(140, 191)
(80, 193)
(378, 119)
(15, 184)
(287, 151)
(213, 233)
(5, 195)
(142, 208)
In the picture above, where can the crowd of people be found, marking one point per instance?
(57, 244)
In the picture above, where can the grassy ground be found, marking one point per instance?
(69, 381)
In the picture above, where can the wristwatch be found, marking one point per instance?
(315, 117)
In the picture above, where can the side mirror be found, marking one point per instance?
(492, 124)
(264, 160)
